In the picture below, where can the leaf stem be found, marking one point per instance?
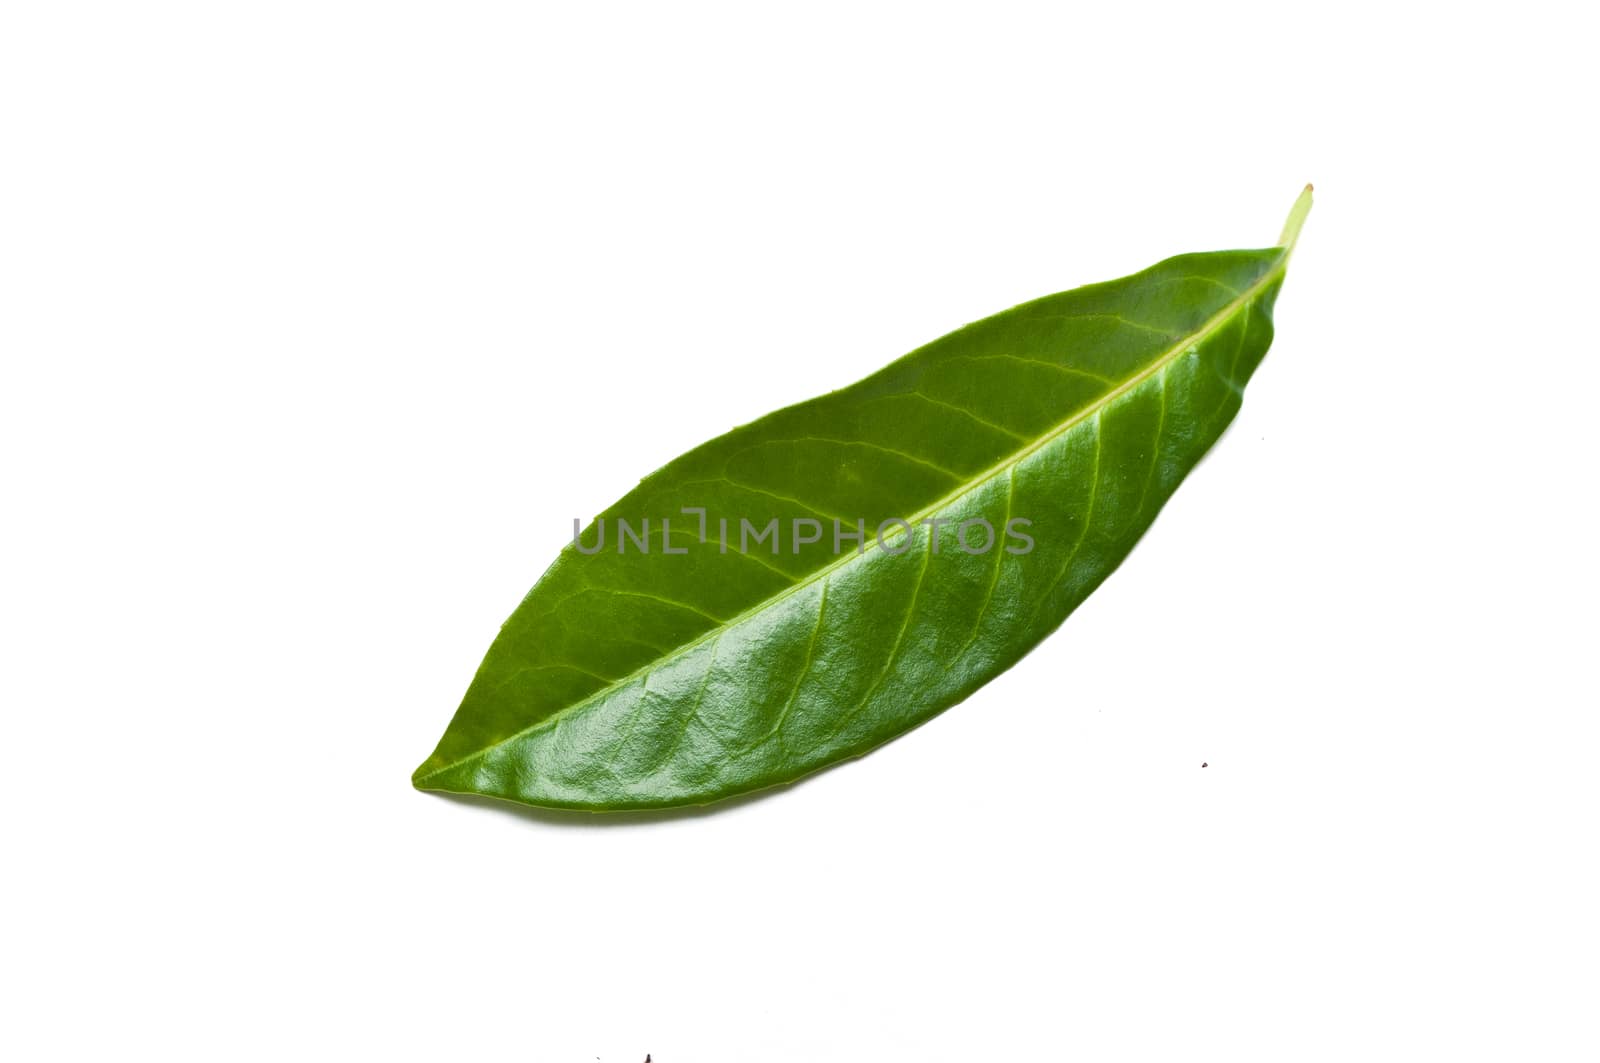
(1297, 218)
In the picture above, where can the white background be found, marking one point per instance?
(321, 321)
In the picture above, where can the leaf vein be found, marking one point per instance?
(963, 410)
(1070, 370)
(905, 624)
(994, 575)
(942, 470)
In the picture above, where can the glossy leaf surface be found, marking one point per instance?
(629, 679)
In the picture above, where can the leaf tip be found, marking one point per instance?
(421, 778)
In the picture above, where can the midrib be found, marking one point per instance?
(1104, 402)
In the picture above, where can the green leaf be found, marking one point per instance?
(632, 679)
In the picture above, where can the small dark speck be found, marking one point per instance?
(1203, 764)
